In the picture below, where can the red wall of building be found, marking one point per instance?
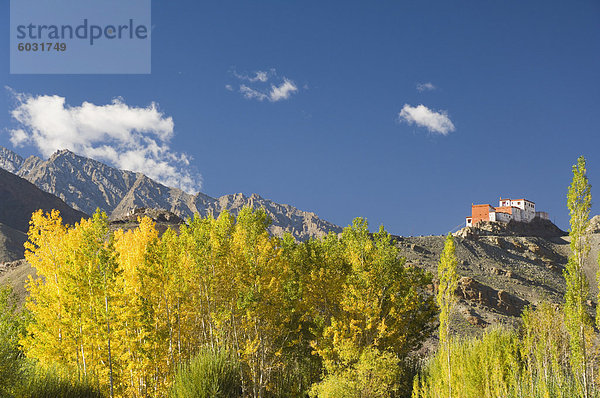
(480, 212)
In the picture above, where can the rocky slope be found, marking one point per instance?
(502, 268)
(86, 184)
(11, 243)
(18, 200)
(15, 274)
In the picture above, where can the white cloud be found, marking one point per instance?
(255, 87)
(283, 91)
(18, 137)
(435, 122)
(274, 94)
(425, 87)
(124, 136)
(228, 87)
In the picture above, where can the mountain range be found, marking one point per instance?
(86, 184)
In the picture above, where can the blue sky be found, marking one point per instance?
(519, 81)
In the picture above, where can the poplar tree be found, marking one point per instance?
(577, 319)
(45, 252)
(380, 313)
(136, 314)
(448, 282)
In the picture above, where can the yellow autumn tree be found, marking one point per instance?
(135, 313)
(259, 274)
(72, 297)
(383, 313)
(47, 335)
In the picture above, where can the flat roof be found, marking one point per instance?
(526, 200)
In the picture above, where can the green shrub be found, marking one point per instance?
(484, 367)
(12, 328)
(52, 384)
(533, 362)
(336, 386)
(374, 374)
(210, 374)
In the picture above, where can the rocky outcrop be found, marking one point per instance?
(594, 227)
(10, 265)
(537, 227)
(473, 317)
(158, 215)
(163, 219)
(497, 300)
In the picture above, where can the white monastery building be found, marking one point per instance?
(521, 210)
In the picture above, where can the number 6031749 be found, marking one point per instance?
(42, 46)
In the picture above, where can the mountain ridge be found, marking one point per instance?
(18, 200)
(86, 184)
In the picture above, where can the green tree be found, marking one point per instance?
(577, 319)
(448, 282)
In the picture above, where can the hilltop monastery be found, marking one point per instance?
(522, 210)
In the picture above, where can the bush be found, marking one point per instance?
(376, 374)
(484, 367)
(51, 384)
(210, 374)
(533, 362)
(12, 328)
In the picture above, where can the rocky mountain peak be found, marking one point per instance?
(9, 160)
(62, 152)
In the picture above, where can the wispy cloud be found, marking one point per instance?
(255, 86)
(258, 76)
(127, 137)
(435, 122)
(251, 93)
(425, 87)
